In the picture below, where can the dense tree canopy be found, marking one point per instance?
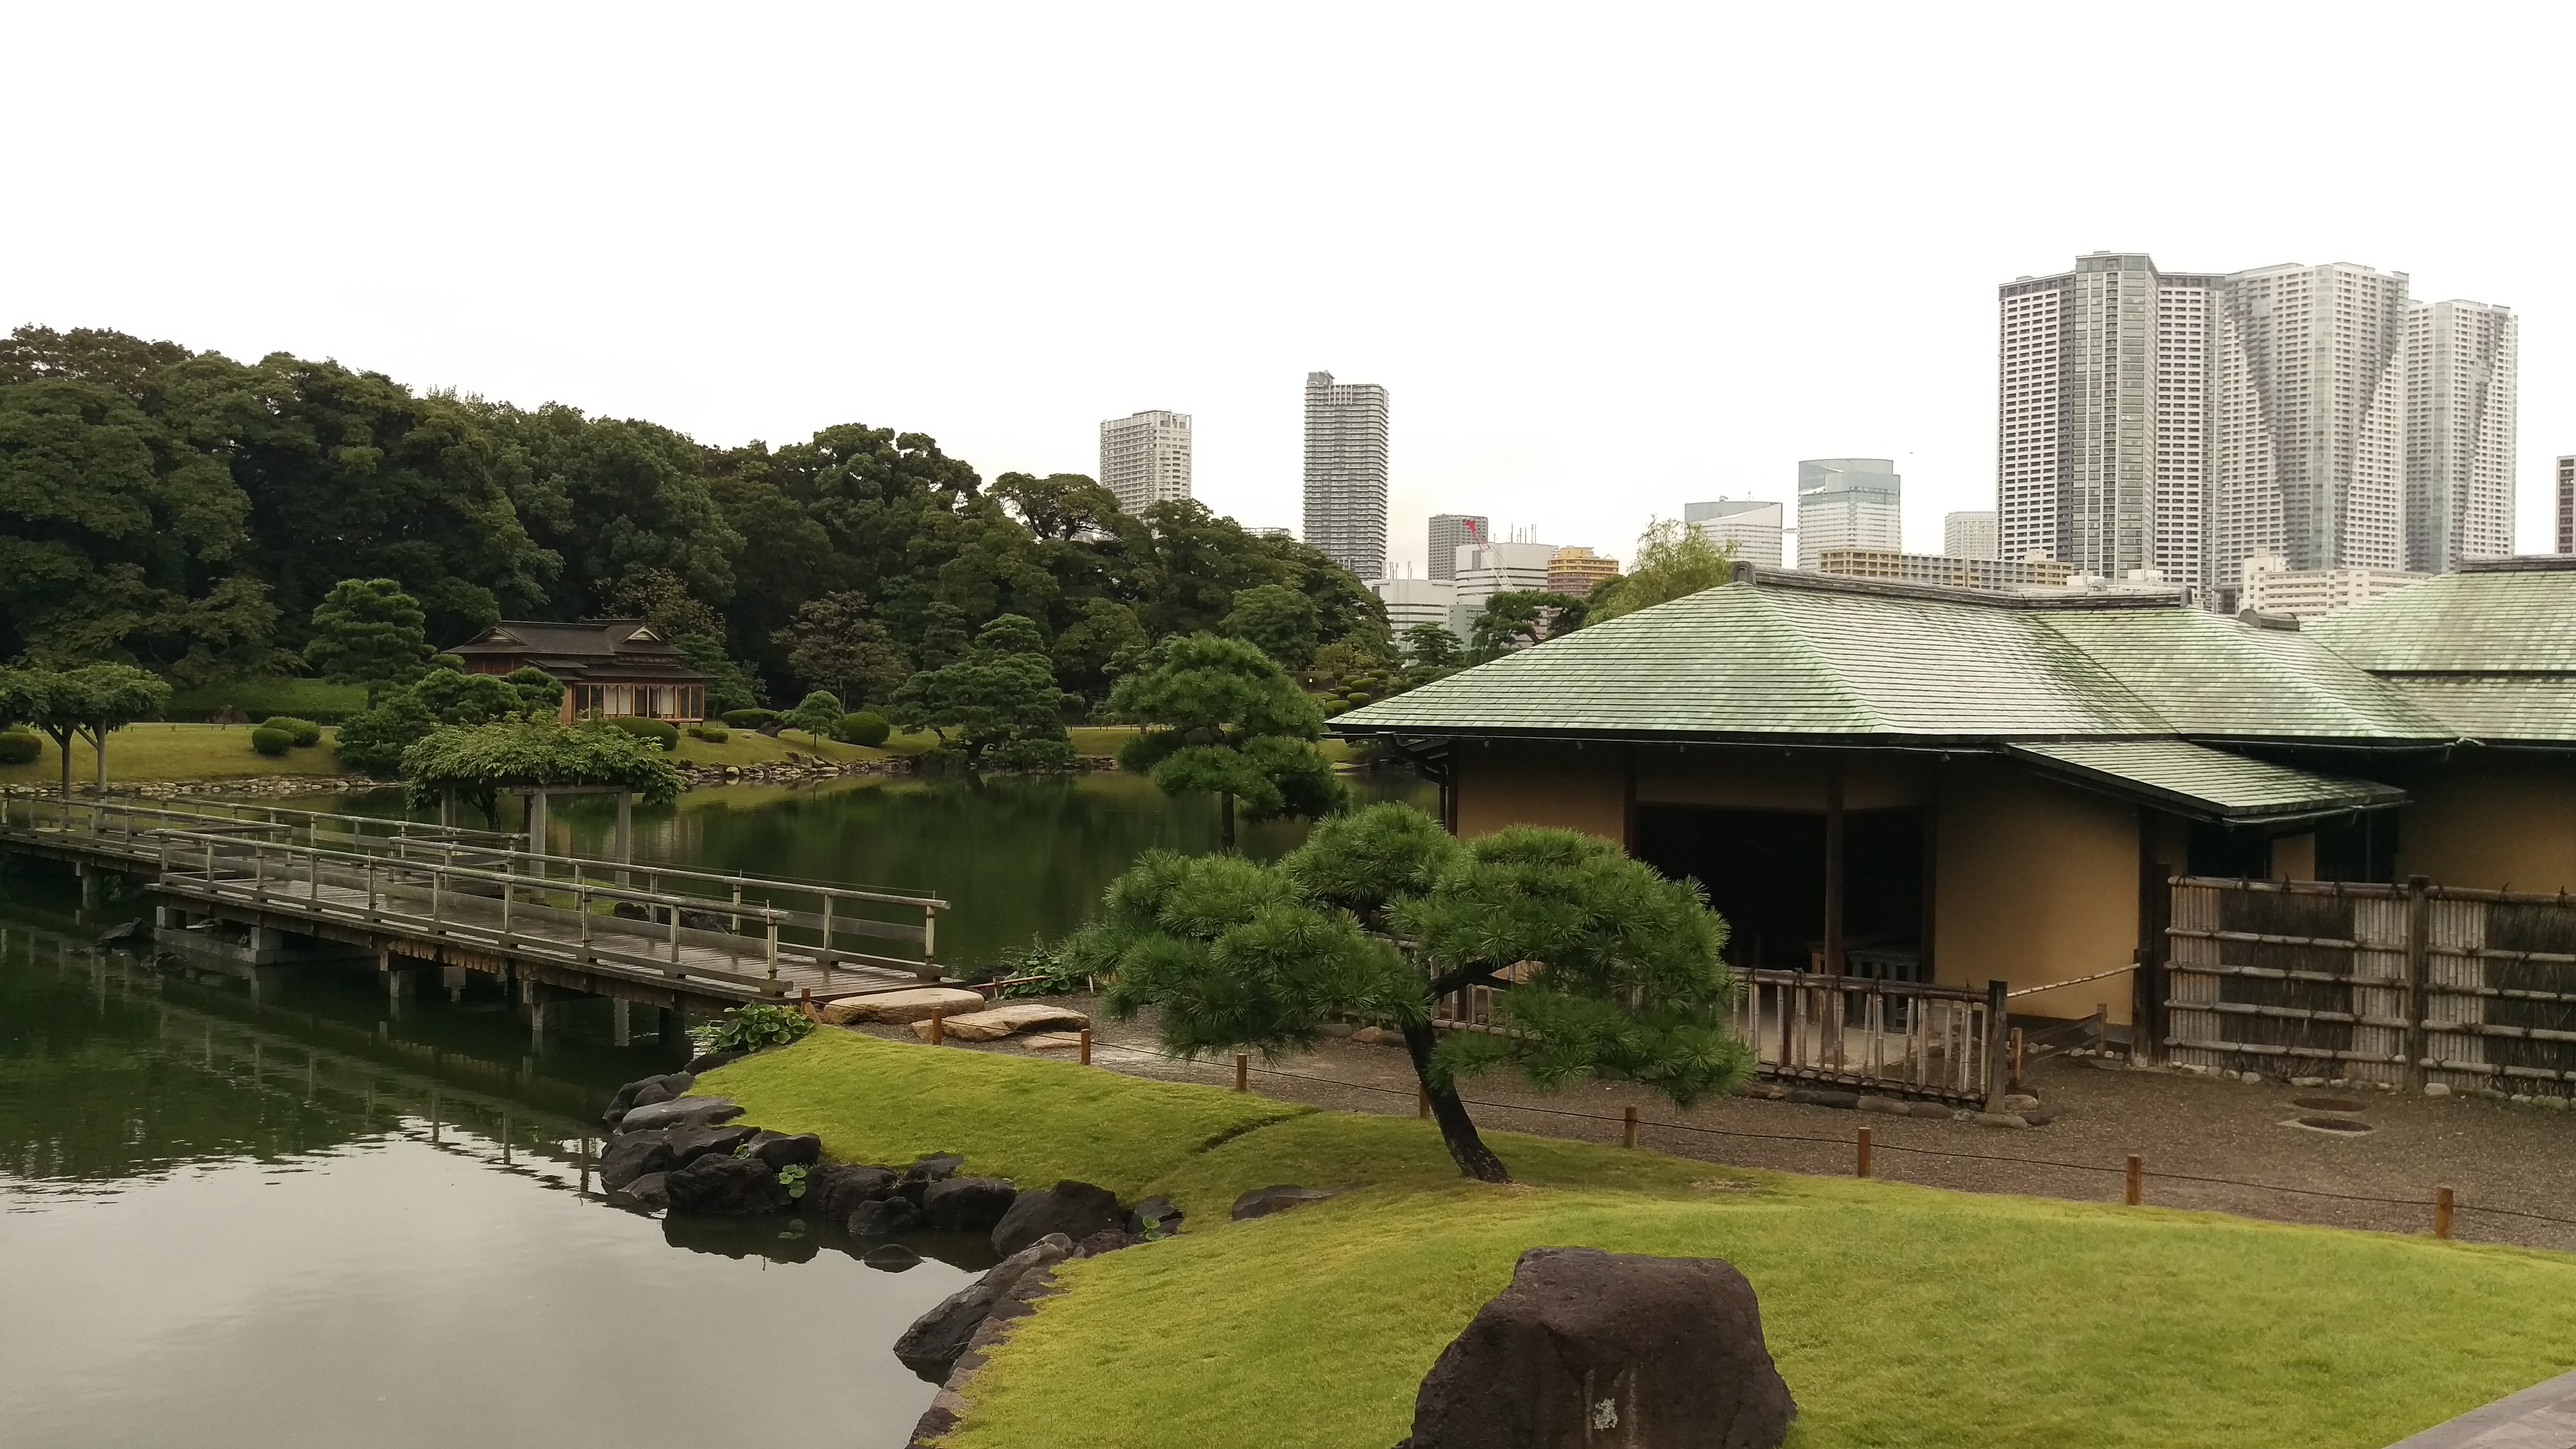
(368, 631)
(87, 703)
(189, 513)
(1222, 716)
(1673, 559)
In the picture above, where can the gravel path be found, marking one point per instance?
(2493, 1154)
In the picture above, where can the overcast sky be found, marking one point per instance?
(1606, 259)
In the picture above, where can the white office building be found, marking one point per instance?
(1416, 601)
(1518, 567)
(2183, 422)
(1145, 458)
(2270, 586)
(1970, 535)
(1754, 527)
(1451, 532)
(1346, 473)
(2458, 498)
(1847, 503)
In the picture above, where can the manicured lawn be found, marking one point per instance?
(261, 698)
(152, 752)
(1100, 739)
(1901, 1316)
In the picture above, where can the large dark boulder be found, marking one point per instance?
(931, 1346)
(1075, 1209)
(779, 1150)
(967, 1204)
(682, 1112)
(884, 1218)
(631, 1156)
(927, 1170)
(728, 1186)
(1261, 1202)
(834, 1190)
(688, 1144)
(651, 1191)
(663, 1088)
(1595, 1349)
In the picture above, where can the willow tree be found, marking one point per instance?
(88, 703)
(477, 762)
(1608, 969)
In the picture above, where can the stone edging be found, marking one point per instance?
(2025, 1111)
(949, 1405)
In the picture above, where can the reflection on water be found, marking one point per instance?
(306, 1220)
(1017, 856)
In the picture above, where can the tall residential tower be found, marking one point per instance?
(1346, 473)
(1451, 532)
(1145, 458)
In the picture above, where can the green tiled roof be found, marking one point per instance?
(2195, 780)
(2483, 620)
(2527, 708)
(1797, 655)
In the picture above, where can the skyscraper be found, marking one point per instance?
(1145, 458)
(1346, 473)
(1847, 503)
(1753, 526)
(2567, 503)
(1969, 535)
(1449, 533)
(2182, 421)
(2460, 367)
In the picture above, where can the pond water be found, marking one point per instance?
(315, 1216)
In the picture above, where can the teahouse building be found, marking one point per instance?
(610, 668)
(1933, 784)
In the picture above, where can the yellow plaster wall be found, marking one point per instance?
(2487, 820)
(1511, 782)
(2294, 857)
(2033, 881)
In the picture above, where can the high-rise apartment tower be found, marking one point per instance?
(1346, 473)
(1847, 503)
(1145, 458)
(2567, 503)
(2182, 422)
(1451, 532)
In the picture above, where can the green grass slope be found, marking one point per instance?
(1900, 1316)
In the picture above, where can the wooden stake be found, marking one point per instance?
(1242, 1072)
(2442, 1213)
(2137, 1179)
(1860, 1166)
(2016, 1059)
(1628, 1131)
(1421, 1100)
(1086, 1046)
(938, 1027)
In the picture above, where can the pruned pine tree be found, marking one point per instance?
(1610, 970)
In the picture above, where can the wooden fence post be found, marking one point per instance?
(2016, 1058)
(1242, 1072)
(1628, 1129)
(1860, 1166)
(2137, 1179)
(2419, 954)
(2442, 1213)
(1998, 1021)
(1086, 1046)
(938, 1026)
(1421, 1100)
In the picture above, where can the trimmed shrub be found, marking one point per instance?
(305, 731)
(750, 719)
(660, 731)
(20, 747)
(272, 741)
(712, 734)
(749, 1028)
(862, 729)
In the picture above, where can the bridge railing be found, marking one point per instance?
(133, 818)
(527, 902)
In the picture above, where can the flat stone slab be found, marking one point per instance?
(902, 1006)
(1053, 1041)
(2540, 1417)
(1002, 1021)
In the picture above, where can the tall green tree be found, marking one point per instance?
(88, 703)
(1277, 620)
(1000, 699)
(834, 644)
(1673, 559)
(1222, 716)
(1429, 648)
(662, 600)
(1603, 968)
(613, 496)
(368, 631)
(1516, 620)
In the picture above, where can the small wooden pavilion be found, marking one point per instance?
(610, 668)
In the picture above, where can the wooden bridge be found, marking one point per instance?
(267, 886)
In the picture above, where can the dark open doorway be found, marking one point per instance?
(1764, 871)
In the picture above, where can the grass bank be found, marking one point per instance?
(1900, 1316)
(154, 753)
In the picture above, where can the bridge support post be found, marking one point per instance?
(453, 978)
(93, 886)
(620, 1028)
(265, 983)
(169, 918)
(542, 1019)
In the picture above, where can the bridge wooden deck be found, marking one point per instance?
(441, 895)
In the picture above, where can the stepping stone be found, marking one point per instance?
(902, 1006)
(1053, 1041)
(1002, 1021)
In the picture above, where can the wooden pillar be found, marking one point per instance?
(621, 1031)
(625, 827)
(1834, 868)
(536, 822)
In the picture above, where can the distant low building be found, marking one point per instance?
(1848, 503)
(1271, 531)
(1971, 534)
(612, 668)
(2272, 587)
(1574, 571)
(1943, 569)
(1753, 526)
(1416, 601)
